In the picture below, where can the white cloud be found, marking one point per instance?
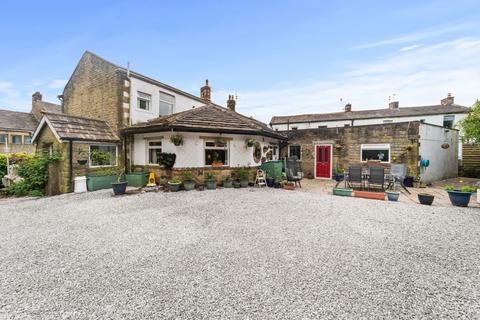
(417, 77)
(57, 84)
(412, 47)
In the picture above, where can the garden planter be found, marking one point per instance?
(174, 187)
(244, 183)
(217, 165)
(459, 198)
(342, 192)
(137, 179)
(408, 181)
(289, 186)
(370, 195)
(211, 184)
(227, 183)
(119, 187)
(236, 184)
(97, 182)
(392, 196)
(425, 198)
(270, 182)
(188, 185)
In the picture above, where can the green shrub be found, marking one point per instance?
(15, 158)
(167, 159)
(468, 189)
(175, 181)
(209, 176)
(243, 174)
(187, 176)
(449, 187)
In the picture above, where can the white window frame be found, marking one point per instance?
(295, 145)
(165, 101)
(205, 148)
(149, 101)
(376, 146)
(102, 144)
(148, 148)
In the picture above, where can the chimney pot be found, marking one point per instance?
(393, 105)
(37, 96)
(448, 101)
(231, 102)
(348, 107)
(206, 92)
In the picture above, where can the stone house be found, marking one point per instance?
(323, 150)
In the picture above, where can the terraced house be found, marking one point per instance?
(138, 116)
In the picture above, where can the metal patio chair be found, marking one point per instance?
(376, 176)
(293, 170)
(398, 172)
(354, 177)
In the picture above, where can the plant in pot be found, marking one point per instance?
(167, 159)
(339, 174)
(174, 184)
(210, 181)
(243, 175)
(459, 197)
(425, 198)
(270, 180)
(188, 181)
(250, 142)
(176, 139)
(408, 180)
(392, 195)
(120, 186)
(236, 183)
(227, 182)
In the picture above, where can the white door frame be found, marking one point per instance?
(315, 160)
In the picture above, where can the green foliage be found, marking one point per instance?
(101, 158)
(175, 181)
(167, 159)
(187, 176)
(177, 139)
(243, 174)
(448, 187)
(471, 124)
(339, 170)
(227, 178)
(250, 142)
(112, 171)
(15, 158)
(468, 189)
(209, 176)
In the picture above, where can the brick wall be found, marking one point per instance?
(346, 141)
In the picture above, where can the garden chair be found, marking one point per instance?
(376, 176)
(354, 177)
(293, 170)
(398, 172)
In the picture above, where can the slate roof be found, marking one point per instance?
(371, 114)
(208, 118)
(19, 121)
(75, 128)
(48, 107)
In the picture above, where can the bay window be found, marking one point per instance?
(216, 151)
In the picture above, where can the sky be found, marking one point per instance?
(278, 57)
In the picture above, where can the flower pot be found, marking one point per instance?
(236, 184)
(289, 186)
(188, 185)
(339, 177)
(217, 165)
(369, 195)
(270, 182)
(227, 183)
(82, 162)
(342, 192)
(408, 181)
(174, 187)
(243, 183)
(392, 196)
(119, 187)
(459, 198)
(211, 184)
(425, 198)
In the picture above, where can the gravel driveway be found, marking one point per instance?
(242, 254)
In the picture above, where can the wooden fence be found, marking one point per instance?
(471, 160)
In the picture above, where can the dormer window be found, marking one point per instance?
(167, 103)
(143, 101)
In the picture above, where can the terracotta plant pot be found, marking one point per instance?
(289, 186)
(369, 195)
(217, 165)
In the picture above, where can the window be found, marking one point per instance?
(375, 152)
(387, 121)
(295, 151)
(27, 140)
(154, 148)
(143, 101)
(103, 155)
(167, 102)
(448, 121)
(16, 139)
(216, 151)
(3, 138)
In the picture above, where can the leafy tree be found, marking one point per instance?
(471, 124)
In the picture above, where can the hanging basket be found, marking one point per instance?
(445, 146)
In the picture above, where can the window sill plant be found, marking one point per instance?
(174, 184)
(459, 197)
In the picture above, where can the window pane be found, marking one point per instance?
(155, 143)
(212, 156)
(144, 96)
(167, 97)
(3, 138)
(154, 155)
(165, 108)
(27, 139)
(103, 155)
(16, 139)
(143, 104)
(448, 121)
(295, 151)
(376, 154)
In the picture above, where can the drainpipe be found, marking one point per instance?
(125, 151)
(70, 160)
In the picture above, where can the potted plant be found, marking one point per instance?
(459, 197)
(270, 180)
(174, 184)
(426, 198)
(236, 183)
(250, 142)
(176, 139)
(392, 195)
(243, 175)
(210, 182)
(339, 174)
(188, 180)
(120, 186)
(227, 182)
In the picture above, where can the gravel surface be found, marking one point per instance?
(242, 254)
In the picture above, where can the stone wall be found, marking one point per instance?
(16, 148)
(346, 141)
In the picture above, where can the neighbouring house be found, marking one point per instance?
(323, 150)
(78, 140)
(16, 128)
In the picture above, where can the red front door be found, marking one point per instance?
(322, 165)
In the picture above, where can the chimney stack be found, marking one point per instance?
(37, 96)
(393, 105)
(205, 92)
(231, 102)
(448, 101)
(348, 107)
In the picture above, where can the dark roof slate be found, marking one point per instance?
(48, 107)
(371, 114)
(15, 120)
(208, 118)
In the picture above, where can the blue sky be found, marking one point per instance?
(279, 57)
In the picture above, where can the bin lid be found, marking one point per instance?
(80, 178)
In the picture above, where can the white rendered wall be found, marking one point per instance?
(182, 102)
(443, 162)
(191, 154)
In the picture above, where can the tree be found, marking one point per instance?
(471, 124)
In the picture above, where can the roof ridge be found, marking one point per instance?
(73, 116)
